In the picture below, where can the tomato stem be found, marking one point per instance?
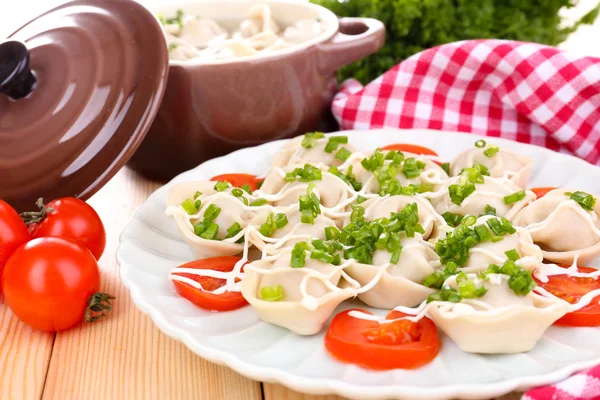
(34, 217)
(98, 306)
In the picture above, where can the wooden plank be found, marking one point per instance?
(24, 357)
(279, 392)
(124, 356)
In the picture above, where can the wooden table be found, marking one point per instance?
(123, 356)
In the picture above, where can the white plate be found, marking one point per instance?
(151, 246)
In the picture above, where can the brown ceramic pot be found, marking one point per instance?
(212, 108)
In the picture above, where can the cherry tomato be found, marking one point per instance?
(13, 233)
(410, 148)
(226, 301)
(48, 283)
(237, 180)
(542, 191)
(370, 344)
(571, 289)
(70, 218)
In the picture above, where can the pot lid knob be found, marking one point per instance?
(16, 78)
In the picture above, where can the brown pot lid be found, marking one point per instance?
(99, 74)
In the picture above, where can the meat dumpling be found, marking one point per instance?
(500, 321)
(396, 284)
(565, 224)
(312, 148)
(471, 193)
(299, 299)
(499, 162)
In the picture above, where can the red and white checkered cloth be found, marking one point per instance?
(521, 91)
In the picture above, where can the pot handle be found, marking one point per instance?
(356, 38)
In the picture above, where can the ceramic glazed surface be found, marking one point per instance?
(210, 109)
(151, 246)
(100, 69)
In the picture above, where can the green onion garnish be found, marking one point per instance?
(271, 293)
(281, 220)
(483, 232)
(585, 200)
(334, 142)
(234, 229)
(446, 167)
(258, 203)
(374, 161)
(308, 173)
(237, 192)
(212, 212)
(349, 178)
(298, 255)
(520, 280)
(343, 154)
(268, 227)
(452, 219)
(360, 199)
(515, 197)
(211, 231)
(332, 233)
(221, 186)
(246, 188)
(489, 210)
(412, 167)
(491, 150)
(309, 206)
(512, 255)
(197, 194)
(310, 139)
(480, 144)
(189, 206)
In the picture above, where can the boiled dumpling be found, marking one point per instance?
(180, 49)
(232, 211)
(310, 149)
(501, 194)
(562, 227)
(500, 163)
(201, 32)
(258, 20)
(494, 252)
(301, 310)
(498, 322)
(303, 30)
(413, 169)
(397, 284)
(383, 207)
(293, 232)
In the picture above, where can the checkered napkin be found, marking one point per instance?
(521, 91)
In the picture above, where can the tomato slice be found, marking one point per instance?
(542, 191)
(369, 344)
(237, 180)
(226, 301)
(571, 289)
(410, 148)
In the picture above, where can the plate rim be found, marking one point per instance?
(323, 386)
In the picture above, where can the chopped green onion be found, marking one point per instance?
(412, 167)
(332, 233)
(211, 231)
(220, 186)
(281, 220)
(189, 206)
(585, 200)
(489, 210)
(298, 255)
(396, 256)
(458, 193)
(258, 203)
(197, 194)
(268, 227)
(374, 161)
(212, 212)
(446, 294)
(452, 219)
(360, 199)
(308, 173)
(310, 139)
(483, 233)
(237, 192)
(515, 197)
(468, 220)
(271, 293)
(334, 142)
(234, 229)
(259, 184)
(512, 255)
(198, 203)
(480, 144)
(246, 188)
(491, 150)
(349, 178)
(343, 154)
(446, 167)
